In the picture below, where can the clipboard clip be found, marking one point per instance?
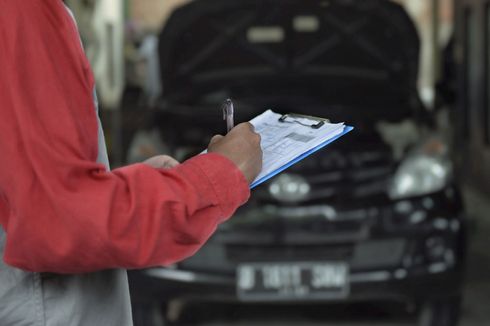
(297, 118)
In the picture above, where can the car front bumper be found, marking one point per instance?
(163, 284)
(410, 251)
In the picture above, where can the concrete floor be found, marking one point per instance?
(476, 307)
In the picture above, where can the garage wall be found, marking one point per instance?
(151, 14)
(473, 113)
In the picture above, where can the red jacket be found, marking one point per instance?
(61, 211)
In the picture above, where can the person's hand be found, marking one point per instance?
(242, 146)
(162, 162)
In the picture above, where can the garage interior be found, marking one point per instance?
(124, 41)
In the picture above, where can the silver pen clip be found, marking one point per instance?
(228, 114)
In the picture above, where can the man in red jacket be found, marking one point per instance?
(62, 211)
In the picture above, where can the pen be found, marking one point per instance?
(228, 114)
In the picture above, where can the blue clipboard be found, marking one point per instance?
(347, 129)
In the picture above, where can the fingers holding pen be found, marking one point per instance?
(215, 139)
(254, 137)
(242, 146)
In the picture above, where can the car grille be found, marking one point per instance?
(239, 254)
(338, 177)
(366, 255)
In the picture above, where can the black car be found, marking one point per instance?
(377, 216)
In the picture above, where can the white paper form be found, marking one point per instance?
(282, 142)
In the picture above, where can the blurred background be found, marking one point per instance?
(386, 227)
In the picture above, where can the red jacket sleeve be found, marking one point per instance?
(61, 211)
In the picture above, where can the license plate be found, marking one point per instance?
(292, 281)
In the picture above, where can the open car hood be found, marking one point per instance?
(346, 53)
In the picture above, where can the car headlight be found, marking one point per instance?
(426, 170)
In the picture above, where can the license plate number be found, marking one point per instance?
(292, 281)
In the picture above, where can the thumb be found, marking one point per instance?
(162, 162)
